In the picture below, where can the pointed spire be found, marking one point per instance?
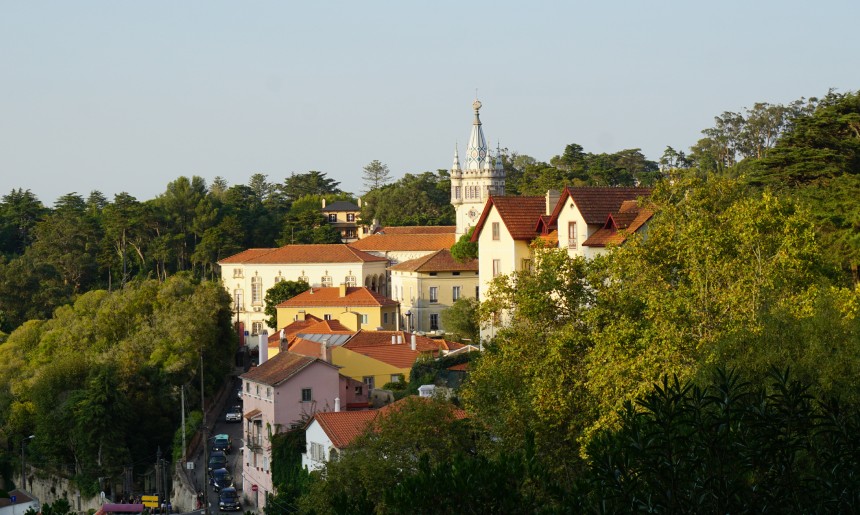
(500, 168)
(456, 166)
(476, 152)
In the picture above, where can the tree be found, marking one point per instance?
(310, 183)
(281, 291)
(461, 319)
(19, 212)
(376, 174)
(423, 199)
(465, 249)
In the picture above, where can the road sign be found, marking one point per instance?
(150, 501)
(12, 498)
(253, 488)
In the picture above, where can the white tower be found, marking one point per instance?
(481, 177)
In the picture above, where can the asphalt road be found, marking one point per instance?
(234, 457)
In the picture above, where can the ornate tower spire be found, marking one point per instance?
(476, 152)
(455, 168)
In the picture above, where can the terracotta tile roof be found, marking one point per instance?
(306, 347)
(458, 413)
(341, 205)
(342, 427)
(405, 242)
(326, 327)
(462, 367)
(252, 414)
(280, 368)
(355, 296)
(619, 226)
(519, 214)
(596, 204)
(377, 345)
(294, 328)
(439, 261)
(419, 229)
(315, 253)
(245, 255)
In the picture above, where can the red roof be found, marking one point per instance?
(343, 427)
(596, 204)
(377, 345)
(316, 253)
(280, 368)
(418, 229)
(439, 261)
(294, 328)
(405, 242)
(519, 214)
(620, 225)
(355, 296)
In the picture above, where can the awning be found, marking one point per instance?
(122, 508)
(254, 413)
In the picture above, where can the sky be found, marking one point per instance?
(128, 96)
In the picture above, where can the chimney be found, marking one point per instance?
(399, 338)
(323, 201)
(336, 404)
(393, 340)
(311, 290)
(414, 344)
(343, 290)
(323, 353)
(359, 201)
(263, 347)
(552, 197)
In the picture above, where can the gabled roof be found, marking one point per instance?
(405, 242)
(314, 253)
(519, 214)
(418, 229)
(596, 204)
(377, 345)
(341, 205)
(439, 261)
(342, 427)
(356, 296)
(293, 328)
(620, 225)
(281, 368)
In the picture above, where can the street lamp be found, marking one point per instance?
(23, 470)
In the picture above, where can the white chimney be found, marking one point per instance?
(399, 338)
(263, 347)
(337, 404)
(414, 343)
(323, 202)
(393, 340)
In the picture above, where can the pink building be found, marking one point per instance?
(282, 393)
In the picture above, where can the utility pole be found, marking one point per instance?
(23, 461)
(158, 472)
(182, 389)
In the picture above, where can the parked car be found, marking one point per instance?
(221, 479)
(222, 443)
(228, 500)
(217, 460)
(234, 414)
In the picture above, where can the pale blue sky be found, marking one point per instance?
(127, 96)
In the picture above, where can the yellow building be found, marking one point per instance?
(355, 307)
(428, 285)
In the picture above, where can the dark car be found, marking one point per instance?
(228, 500)
(222, 443)
(221, 479)
(217, 460)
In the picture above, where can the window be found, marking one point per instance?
(304, 278)
(256, 327)
(434, 294)
(268, 393)
(368, 380)
(359, 390)
(526, 265)
(238, 303)
(456, 191)
(571, 235)
(306, 395)
(327, 317)
(256, 290)
(238, 273)
(434, 321)
(350, 217)
(258, 390)
(349, 233)
(455, 293)
(350, 280)
(364, 319)
(317, 452)
(248, 387)
(332, 217)
(497, 267)
(385, 318)
(396, 378)
(326, 281)
(495, 230)
(455, 273)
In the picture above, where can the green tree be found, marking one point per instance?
(375, 174)
(465, 249)
(423, 199)
(461, 319)
(281, 291)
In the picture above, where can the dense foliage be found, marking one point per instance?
(98, 384)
